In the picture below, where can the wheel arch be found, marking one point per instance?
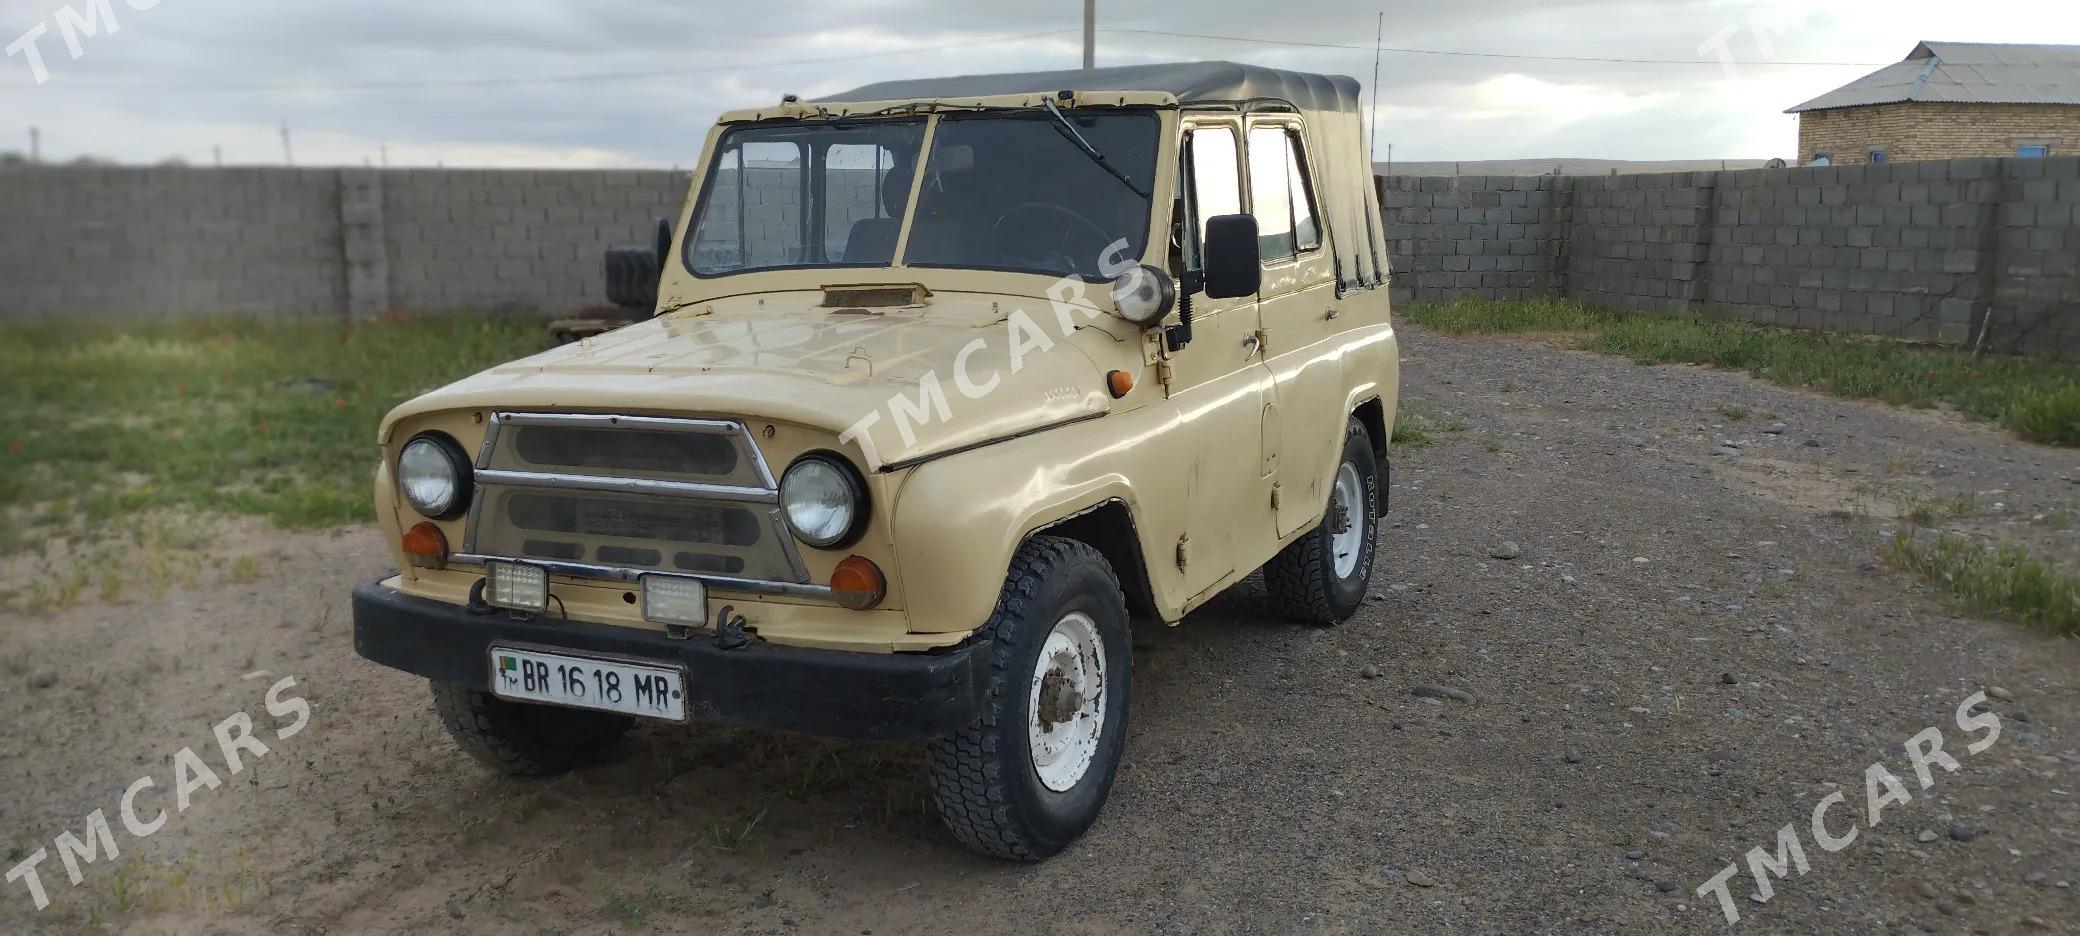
(1372, 414)
(1108, 527)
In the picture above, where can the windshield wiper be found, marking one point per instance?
(1069, 130)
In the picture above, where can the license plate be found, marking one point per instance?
(584, 682)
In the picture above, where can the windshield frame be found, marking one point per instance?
(932, 116)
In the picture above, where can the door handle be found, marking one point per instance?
(1255, 343)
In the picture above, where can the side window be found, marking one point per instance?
(1270, 193)
(1216, 184)
(1307, 232)
(2032, 151)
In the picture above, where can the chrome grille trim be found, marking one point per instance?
(767, 496)
(618, 574)
(737, 432)
(542, 479)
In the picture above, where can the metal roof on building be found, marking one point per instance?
(1966, 73)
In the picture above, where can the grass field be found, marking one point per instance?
(2036, 399)
(273, 418)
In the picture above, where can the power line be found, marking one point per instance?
(1494, 55)
(417, 84)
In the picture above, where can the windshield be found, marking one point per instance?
(802, 195)
(1017, 193)
(1001, 192)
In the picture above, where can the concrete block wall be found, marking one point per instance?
(281, 241)
(518, 239)
(127, 241)
(1967, 251)
(1485, 236)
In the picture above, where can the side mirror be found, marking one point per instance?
(663, 240)
(1233, 266)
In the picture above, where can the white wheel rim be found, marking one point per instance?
(1348, 501)
(1071, 673)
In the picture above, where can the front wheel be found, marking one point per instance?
(1032, 773)
(1321, 577)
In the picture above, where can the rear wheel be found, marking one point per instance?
(1321, 577)
(519, 739)
(1032, 773)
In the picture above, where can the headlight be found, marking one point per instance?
(824, 501)
(434, 476)
(1143, 295)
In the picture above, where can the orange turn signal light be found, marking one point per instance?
(1119, 382)
(425, 547)
(857, 583)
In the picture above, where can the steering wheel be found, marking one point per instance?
(1060, 256)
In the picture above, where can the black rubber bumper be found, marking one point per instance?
(883, 696)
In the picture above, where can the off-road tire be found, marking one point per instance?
(523, 740)
(632, 277)
(1301, 580)
(983, 778)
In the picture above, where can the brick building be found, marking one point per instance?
(1950, 100)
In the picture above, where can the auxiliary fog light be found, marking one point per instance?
(674, 599)
(517, 586)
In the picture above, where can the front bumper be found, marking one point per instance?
(892, 696)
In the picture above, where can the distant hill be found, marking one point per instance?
(1533, 167)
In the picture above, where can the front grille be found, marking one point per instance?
(621, 494)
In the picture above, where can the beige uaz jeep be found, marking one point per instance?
(947, 380)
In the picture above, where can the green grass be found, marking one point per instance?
(1989, 579)
(2038, 400)
(99, 420)
(1412, 430)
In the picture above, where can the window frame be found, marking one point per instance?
(1194, 246)
(811, 187)
(1296, 149)
(1296, 154)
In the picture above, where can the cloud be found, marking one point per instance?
(637, 82)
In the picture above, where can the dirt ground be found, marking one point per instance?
(1687, 652)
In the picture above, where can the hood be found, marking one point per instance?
(785, 357)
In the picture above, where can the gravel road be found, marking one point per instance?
(1682, 652)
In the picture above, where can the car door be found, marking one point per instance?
(1219, 386)
(1297, 319)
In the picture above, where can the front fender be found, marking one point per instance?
(959, 519)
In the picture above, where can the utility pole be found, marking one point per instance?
(288, 156)
(35, 146)
(217, 155)
(1372, 116)
(1090, 34)
(385, 149)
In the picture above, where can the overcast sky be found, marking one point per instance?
(636, 82)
